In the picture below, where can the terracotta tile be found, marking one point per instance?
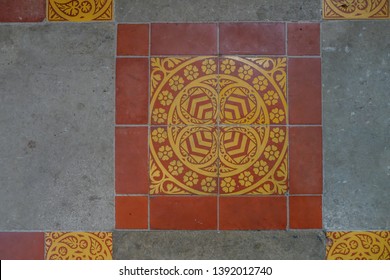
(358, 245)
(22, 10)
(306, 160)
(184, 39)
(184, 212)
(133, 39)
(368, 9)
(252, 90)
(304, 93)
(253, 160)
(89, 10)
(131, 212)
(131, 160)
(132, 90)
(183, 90)
(78, 245)
(303, 38)
(252, 213)
(183, 160)
(252, 38)
(22, 246)
(305, 212)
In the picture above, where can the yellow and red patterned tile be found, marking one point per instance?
(80, 10)
(355, 9)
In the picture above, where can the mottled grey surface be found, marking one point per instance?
(224, 245)
(216, 10)
(356, 100)
(56, 127)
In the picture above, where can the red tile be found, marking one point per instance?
(305, 160)
(252, 213)
(305, 212)
(184, 38)
(22, 246)
(252, 38)
(131, 212)
(304, 90)
(303, 38)
(22, 10)
(132, 90)
(131, 160)
(133, 39)
(186, 212)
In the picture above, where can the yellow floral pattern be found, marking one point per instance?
(356, 9)
(80, 10)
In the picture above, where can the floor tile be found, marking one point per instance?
(183, 90)
(133, 39)
(22, 10)
(305, 212)
(87, 10)
(358, 245)
(304, 90)
(183, 212)
(356, 9)
(131, 212)
(183, 160)
(132, 90)
(252, 90)
(253, 160)
(184, 39)
(252, 38)
(78, 245)
(131, 160)
(303, 39)
(21, 246)
(252, 213)
(305, 148)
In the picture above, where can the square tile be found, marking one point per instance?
(22, 246)
(184, 39)
(305, 212)
(183, 212)
(132, 90)
(252, 90)
(87, 10)
(131, 160)
(304, 91)
(131, 212)
(253, 213)
(133, 39)
(358, 245)
(303, 39)
(22, 10)
(253, 160)
(363, 9)
(183, 160)
(252, 38)
(78, 245)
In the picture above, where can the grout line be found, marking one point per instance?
(322, 134)
(288, 135)
(115, 112)
(219, 125)
(149, 118)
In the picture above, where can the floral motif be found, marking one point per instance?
(245, 72)
(191, 72)
(208, 184)
(228, 185)
(159, 115)
(165, 153)
(260, 83)
(175, 167)
(271, 152)
(228, 66)
(87, 10)
(176, 83)
(165, 98)
(260, 168)
(190, 178)
(277, 115)
(159, 135)
(355, 9)
(277, 135)
(209, 66)
(271, 98)
(246, 179)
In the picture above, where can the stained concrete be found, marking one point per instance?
(56, 127)
(184, 245)
(216, 10)
(356, 103)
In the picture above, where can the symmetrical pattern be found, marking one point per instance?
(78, 246)
(371, 245)
(214, 121)
(79, 10)
(356, 9)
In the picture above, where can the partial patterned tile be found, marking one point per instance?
(355, 9)
(252, 90)
(253, 160)
(183, 90)
(22, 10)
(358, 245)
(80, 10)
(78, 245)
(22, 246)
(183, 160)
